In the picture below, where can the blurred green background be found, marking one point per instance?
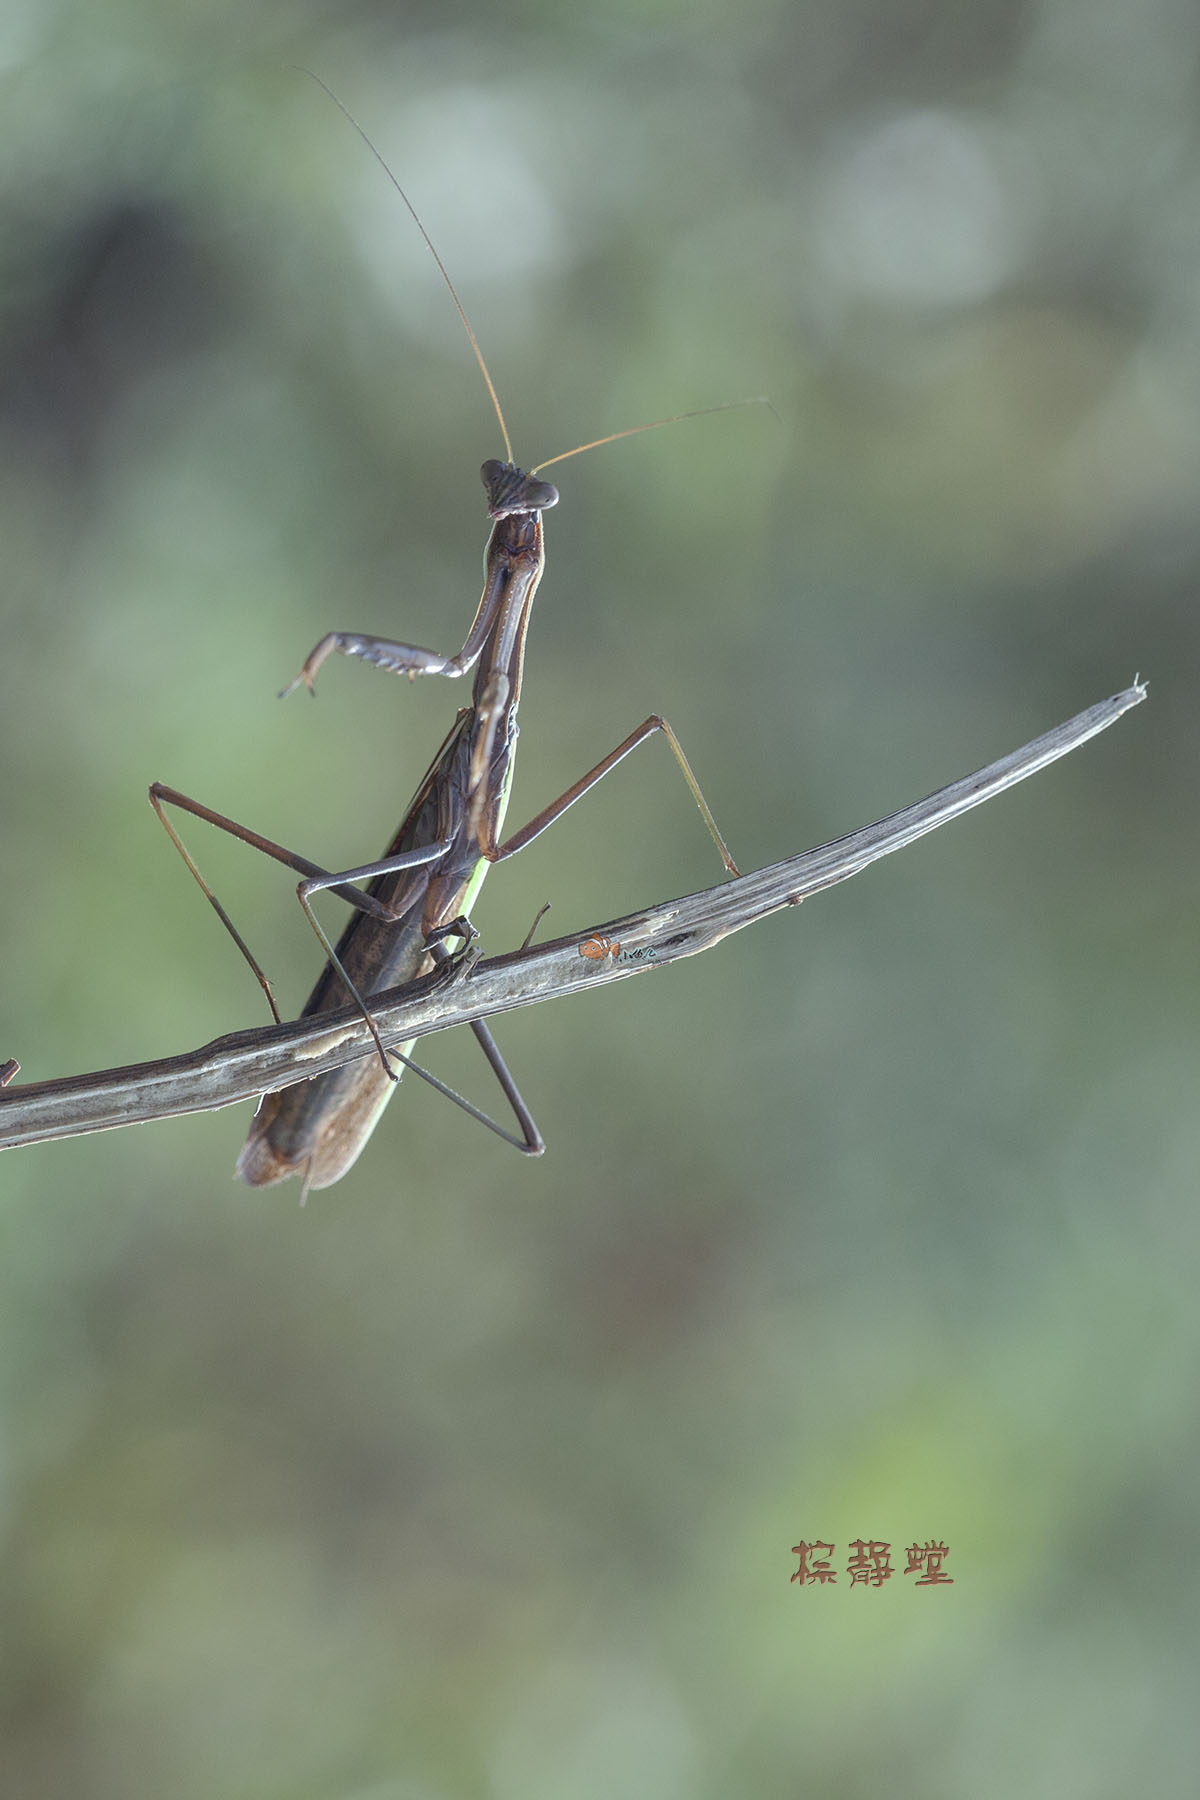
(475, 1477)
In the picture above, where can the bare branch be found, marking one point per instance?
(248, 1063)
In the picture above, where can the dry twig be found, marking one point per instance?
(248, 1063)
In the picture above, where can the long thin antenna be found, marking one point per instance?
(416, 218)
(633, 430)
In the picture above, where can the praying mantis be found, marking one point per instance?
(421, 890)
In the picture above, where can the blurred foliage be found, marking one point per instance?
(477, 1478)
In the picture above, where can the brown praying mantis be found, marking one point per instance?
(422, 889)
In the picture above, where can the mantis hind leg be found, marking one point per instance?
(531, 1141)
